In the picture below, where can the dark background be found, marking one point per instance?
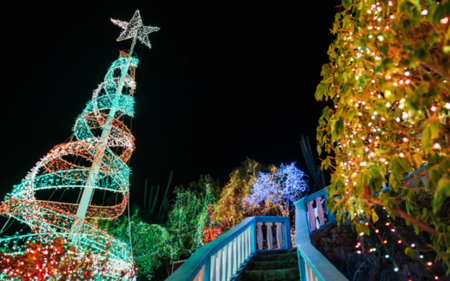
(224, 81)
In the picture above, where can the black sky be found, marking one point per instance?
(225, 80)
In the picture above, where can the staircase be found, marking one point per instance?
(271, 266)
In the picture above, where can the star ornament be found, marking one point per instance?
(135, 28)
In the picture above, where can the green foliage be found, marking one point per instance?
(387, 78)
(150, 242)
(157, 244)
(188, 216)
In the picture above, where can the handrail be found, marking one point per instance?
(312, 264)
(225, 257)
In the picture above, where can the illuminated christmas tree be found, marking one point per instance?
(95, 159)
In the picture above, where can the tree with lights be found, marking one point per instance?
(188, 217)
(281, 186)
(388, 81)
(211, 229)
(231, 208)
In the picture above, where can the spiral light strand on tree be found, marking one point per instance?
(56, 171)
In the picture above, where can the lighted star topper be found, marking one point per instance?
(135, 28)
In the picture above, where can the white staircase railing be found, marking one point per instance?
(225, 257)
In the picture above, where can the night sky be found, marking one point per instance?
(224, 81)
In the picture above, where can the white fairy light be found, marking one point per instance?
(135, 28)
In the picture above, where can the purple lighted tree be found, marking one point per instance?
(283, 185)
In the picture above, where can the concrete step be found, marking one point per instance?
(269, 265)
(276, 257)
(287, 274)
(273, 266)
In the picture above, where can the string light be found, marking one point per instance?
(135, 28)
(55, 171)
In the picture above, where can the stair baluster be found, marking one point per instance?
(230, 260)
(236, 255)
(259, 236)
(212, 276)
(233, 257)
(201, 274)
(280, 241)
(225, 259)
(311, 216)
(218, 273)
(320, 211)
(269, 236)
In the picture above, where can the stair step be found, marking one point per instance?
(286, 274)
(276, 257)
(277, 264)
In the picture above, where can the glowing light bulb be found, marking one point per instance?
(424, 12)
(447, 105)
(396, 269)
(444, 20)
(433, 108)
(436, 146)
(397, 119)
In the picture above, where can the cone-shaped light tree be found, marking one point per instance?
(95, 159)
